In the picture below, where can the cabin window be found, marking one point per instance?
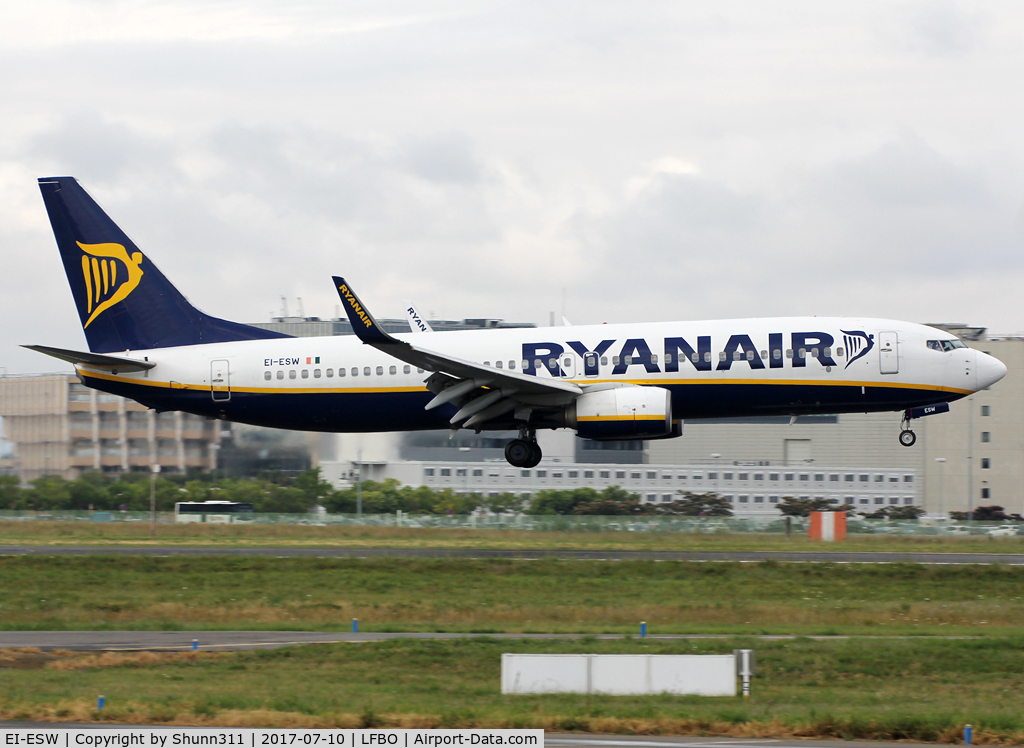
(604, 360)
(654, 358)
(565, 362)
(341, 372)
(406, 369)
(305, 373)
(668, 358)
(553, 363)
(330, 373)
(316, 373)
(722, 356)
(750, 355)
(526, 364)
(291, 374)
(777, 354)
(764, 355)
(615, 360)
(538, 364)
(355, 371)
(707, 357)
(419, 370)
(627, 360)
(511, 364)
(266, 375)
(487, 363)
(380, 371)
(826, 351)
(366, 371)
(802, 353)
(736, 356)
(392, 370)
(695, 358)
(498, 365)
(280, 375)
(839, 352)
(814, 352)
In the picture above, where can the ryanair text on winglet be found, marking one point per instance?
(347, 295)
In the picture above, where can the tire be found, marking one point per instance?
(535, 455)
(908, 438)
(518, 452)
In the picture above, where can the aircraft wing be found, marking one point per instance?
(95, 360)
(456, 380)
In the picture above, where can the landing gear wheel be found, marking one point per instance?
(522, 453)
(518, 452)
(535, 456)
(907, 438)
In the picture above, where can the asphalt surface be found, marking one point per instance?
(1013, 559)
(227, 641)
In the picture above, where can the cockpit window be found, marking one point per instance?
(946, 345)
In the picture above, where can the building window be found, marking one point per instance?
(759, 499)
(894, 479)
(773, 499)
(849, 499)
(773, 476)
(879, 479)
(789, 476)
(620, 474)
(524, 473)
(635, 476)
(894, 501)
(460, 473)
(758, 476)
(557, 474)
(834, 478)
(848, 478)
(908, 479)
(574, 473)
(985, 494)
(865, 478)
(542, 473)
(986, 437)
(744, 476)
(865, 501)
(985, 410)
(744, 499)
(651, 475)
(478, 473)
(985, 463)
(727, 476)
(652, 497)
(429, 472)
(711, 476)
(805, 477)
(879, 500)
(819, 477)
(445, 472)
(605, 474)
(588, 473)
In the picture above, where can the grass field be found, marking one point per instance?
(923, 689)
(137, 533)
(116, 592)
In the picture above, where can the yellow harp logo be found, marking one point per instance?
(102, 268)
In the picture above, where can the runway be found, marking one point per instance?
(1011, 559)
(228, 641)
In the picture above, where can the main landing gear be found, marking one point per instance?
(523, 452)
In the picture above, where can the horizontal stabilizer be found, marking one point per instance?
(95, 360)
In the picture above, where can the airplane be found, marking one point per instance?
(607, 382)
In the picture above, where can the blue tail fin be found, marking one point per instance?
(124, 301)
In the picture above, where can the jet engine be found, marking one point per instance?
(622, 413)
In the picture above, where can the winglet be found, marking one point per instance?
(363, 323)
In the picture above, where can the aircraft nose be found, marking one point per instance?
(989, 368)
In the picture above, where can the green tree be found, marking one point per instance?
(894, 512)
(48, 492)
(612, 501)
(696, 505)
(794, 507)
(10, 492)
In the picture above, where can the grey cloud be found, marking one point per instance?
(946, 28)
(446, 158)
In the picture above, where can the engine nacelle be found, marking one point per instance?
(622, 413)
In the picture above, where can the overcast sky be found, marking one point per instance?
(612, 161)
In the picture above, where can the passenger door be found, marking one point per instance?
(888, 353)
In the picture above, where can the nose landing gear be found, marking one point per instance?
(907, 438)
(524, 451)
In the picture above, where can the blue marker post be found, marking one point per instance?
(99, 702)
(195, 644)
(355, 625)
(643, 629)
(967, 734)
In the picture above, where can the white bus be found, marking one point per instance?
(214, 512)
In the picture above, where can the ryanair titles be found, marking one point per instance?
(680, 353)
(354, 304)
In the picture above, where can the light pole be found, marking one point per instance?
(153, 470)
